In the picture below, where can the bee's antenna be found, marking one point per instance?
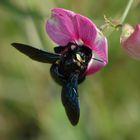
(98, 60)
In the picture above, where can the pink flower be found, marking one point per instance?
(65, 26)
(130, 41)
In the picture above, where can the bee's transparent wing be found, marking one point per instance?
(70, 100)
(36, 54)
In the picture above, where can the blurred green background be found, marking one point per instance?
(30, 104)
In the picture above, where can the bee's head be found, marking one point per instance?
(82, 54)
(75, 58)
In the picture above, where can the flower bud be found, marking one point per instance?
(130, 41)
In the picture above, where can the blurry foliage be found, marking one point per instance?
(30, 105)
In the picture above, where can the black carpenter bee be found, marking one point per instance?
(69, 64)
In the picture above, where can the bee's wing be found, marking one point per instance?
(36, 54)
(70, 100)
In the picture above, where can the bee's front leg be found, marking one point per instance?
(56, 75)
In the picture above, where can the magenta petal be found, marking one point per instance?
(90, 35)
(132, 44)
(94, 66)
(60, 27)
(101, 47)
(100, 50)
(85, 29)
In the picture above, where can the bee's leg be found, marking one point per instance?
(56, 75)
(36, 54)
(81, 79)
(59, 49)
(70, 100)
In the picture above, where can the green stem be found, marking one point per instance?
(125, 13)
(119, 25)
